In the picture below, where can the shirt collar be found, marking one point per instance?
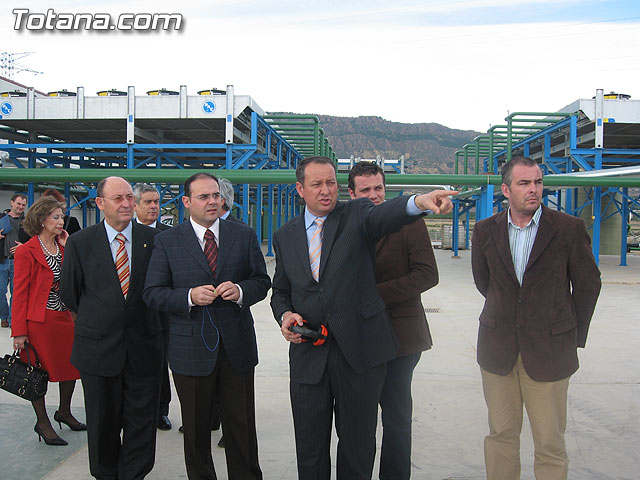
(309, 218)
(225, 215)
(112, 232)
(152, 225)
(200, 230)
(535, 219)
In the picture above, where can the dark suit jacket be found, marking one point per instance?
(231, 218)
(345, 299)
(164, 317)
(547, 318)
(406, 267)
(178, 264)
(110, 330)
(71, 224)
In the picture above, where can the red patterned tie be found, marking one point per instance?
(122, 265)
(211, 250)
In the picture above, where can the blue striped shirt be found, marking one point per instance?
(521, 242)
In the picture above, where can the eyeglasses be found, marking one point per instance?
(207, 196)
(119, 198)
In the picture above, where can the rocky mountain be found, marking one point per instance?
(427, 147)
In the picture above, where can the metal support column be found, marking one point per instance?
(485, 203)
(454, 229)
(623, 233)
(259, 212)
(270, 224)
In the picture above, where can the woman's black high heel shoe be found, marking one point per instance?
(57, 441)
(77, 427)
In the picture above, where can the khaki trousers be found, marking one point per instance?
(546, 404)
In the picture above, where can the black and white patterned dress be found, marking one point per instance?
(55, 263)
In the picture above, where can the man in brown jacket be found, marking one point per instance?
(405, 267)
(535, 268)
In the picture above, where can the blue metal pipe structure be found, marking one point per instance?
(592, 135)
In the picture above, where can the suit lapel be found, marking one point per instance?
(139, 251)
(227, 237)
(546, 231)
(36, 251)
(501, 238)
(102, 251)
(300, 242)
(191, 245)
(329, 234)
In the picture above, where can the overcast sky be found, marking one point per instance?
(463, 64)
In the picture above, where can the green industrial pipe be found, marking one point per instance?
(313, 118)
(179, 175)
(511, 120)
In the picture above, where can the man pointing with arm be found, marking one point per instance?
(325, 275)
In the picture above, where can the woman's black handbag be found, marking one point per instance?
(26, 380)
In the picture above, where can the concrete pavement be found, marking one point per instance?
(603, 431)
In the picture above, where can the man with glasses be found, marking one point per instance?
(117, 345)
(206, 274)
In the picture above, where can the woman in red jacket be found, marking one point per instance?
(38, 315)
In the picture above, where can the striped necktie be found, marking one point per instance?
(122, 265)
(315, 249)
(211, 250)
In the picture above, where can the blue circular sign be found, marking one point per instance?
(209, 106)
(6, 108)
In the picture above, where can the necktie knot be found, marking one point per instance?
(121, 239)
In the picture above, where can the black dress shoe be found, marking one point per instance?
(164, 423)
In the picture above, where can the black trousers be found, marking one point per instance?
(354, 397)
(397, 407)
(235, 393)
(165, 391)
(122, 421)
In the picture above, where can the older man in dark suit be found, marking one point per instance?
(147, 210)
(405, 267)
(535, 268)
(206, 273)
(118, 344)
(325, 275)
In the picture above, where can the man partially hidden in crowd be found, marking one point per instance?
(147, 211)
(8, 244)
(535, 268)
(405, 267)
